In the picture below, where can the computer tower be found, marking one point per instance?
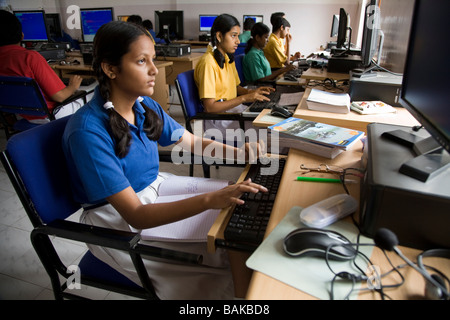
(87, 51)
(417, 212)
(172, 50)
(375, 86)
(343, 64)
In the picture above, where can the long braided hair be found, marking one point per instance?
(111, 43)
(222, 24)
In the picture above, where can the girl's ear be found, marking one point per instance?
(219, 37)
(109, 70)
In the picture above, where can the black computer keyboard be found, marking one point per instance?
(258, 106)
(248, 222)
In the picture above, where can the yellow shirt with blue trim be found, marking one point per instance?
(275, 52)
(215, 82)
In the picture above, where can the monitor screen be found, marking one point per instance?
(425, 90)
(53, 22)
(342, 30)
(169, 25)
(257, 18)
(206, 21)
(334, 26)
(92, 20)
(33, 25)
(371, 31)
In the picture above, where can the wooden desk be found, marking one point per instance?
(180, 64)
(294, 193)
(350, 120)
(264, 287)
(322, 74)
(161, 92)
(195, 44)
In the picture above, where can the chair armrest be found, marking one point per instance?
(79, 94)
(111, 238)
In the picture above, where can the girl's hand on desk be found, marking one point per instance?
(230, 195)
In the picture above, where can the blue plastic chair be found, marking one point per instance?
(22, 95)
(238, 60)
(193, 110)
(36, 165)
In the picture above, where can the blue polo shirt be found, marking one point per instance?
(255, 65)
(96, 172)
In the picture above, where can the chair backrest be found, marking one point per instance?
(35, 162)
(240, 49)
(188, 93)
(238, 60)
(22, 95)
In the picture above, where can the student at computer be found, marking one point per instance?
(217, 79)
(17, 61)
(245, 36)
(111, 147)
(255, 64)
(147, 24)
(276, 53)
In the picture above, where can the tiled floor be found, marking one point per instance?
(21, 273)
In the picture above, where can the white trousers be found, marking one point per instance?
(211, 280)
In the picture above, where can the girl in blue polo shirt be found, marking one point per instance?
(111, 146)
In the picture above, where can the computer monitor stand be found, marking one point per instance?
(431, 158)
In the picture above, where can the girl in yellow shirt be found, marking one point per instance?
(216, 76)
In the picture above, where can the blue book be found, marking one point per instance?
(318, 133)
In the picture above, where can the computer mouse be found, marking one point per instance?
(314, 242)
(279, 111)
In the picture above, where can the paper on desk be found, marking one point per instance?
(290, 99)
(310, 275)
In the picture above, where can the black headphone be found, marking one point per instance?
(431, 291)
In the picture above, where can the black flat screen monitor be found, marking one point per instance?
(425, 91)
(371, 32)
(53, 22)
(169, 25)
(256, 17)
(342, 31)
(334, 26)
(34, 27)
(205, 22)
(92, 19)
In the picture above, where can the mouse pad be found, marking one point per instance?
(309, 274)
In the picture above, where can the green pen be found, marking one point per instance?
(315, 179)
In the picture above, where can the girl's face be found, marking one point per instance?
(261, 41)
(137, 72)
(228, 42)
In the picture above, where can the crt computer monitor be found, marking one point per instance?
(169, 25)
(425, 90)
(205, 22)
(92, 19)
(34, 27)
(256, 17)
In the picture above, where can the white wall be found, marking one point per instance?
(310, 19)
